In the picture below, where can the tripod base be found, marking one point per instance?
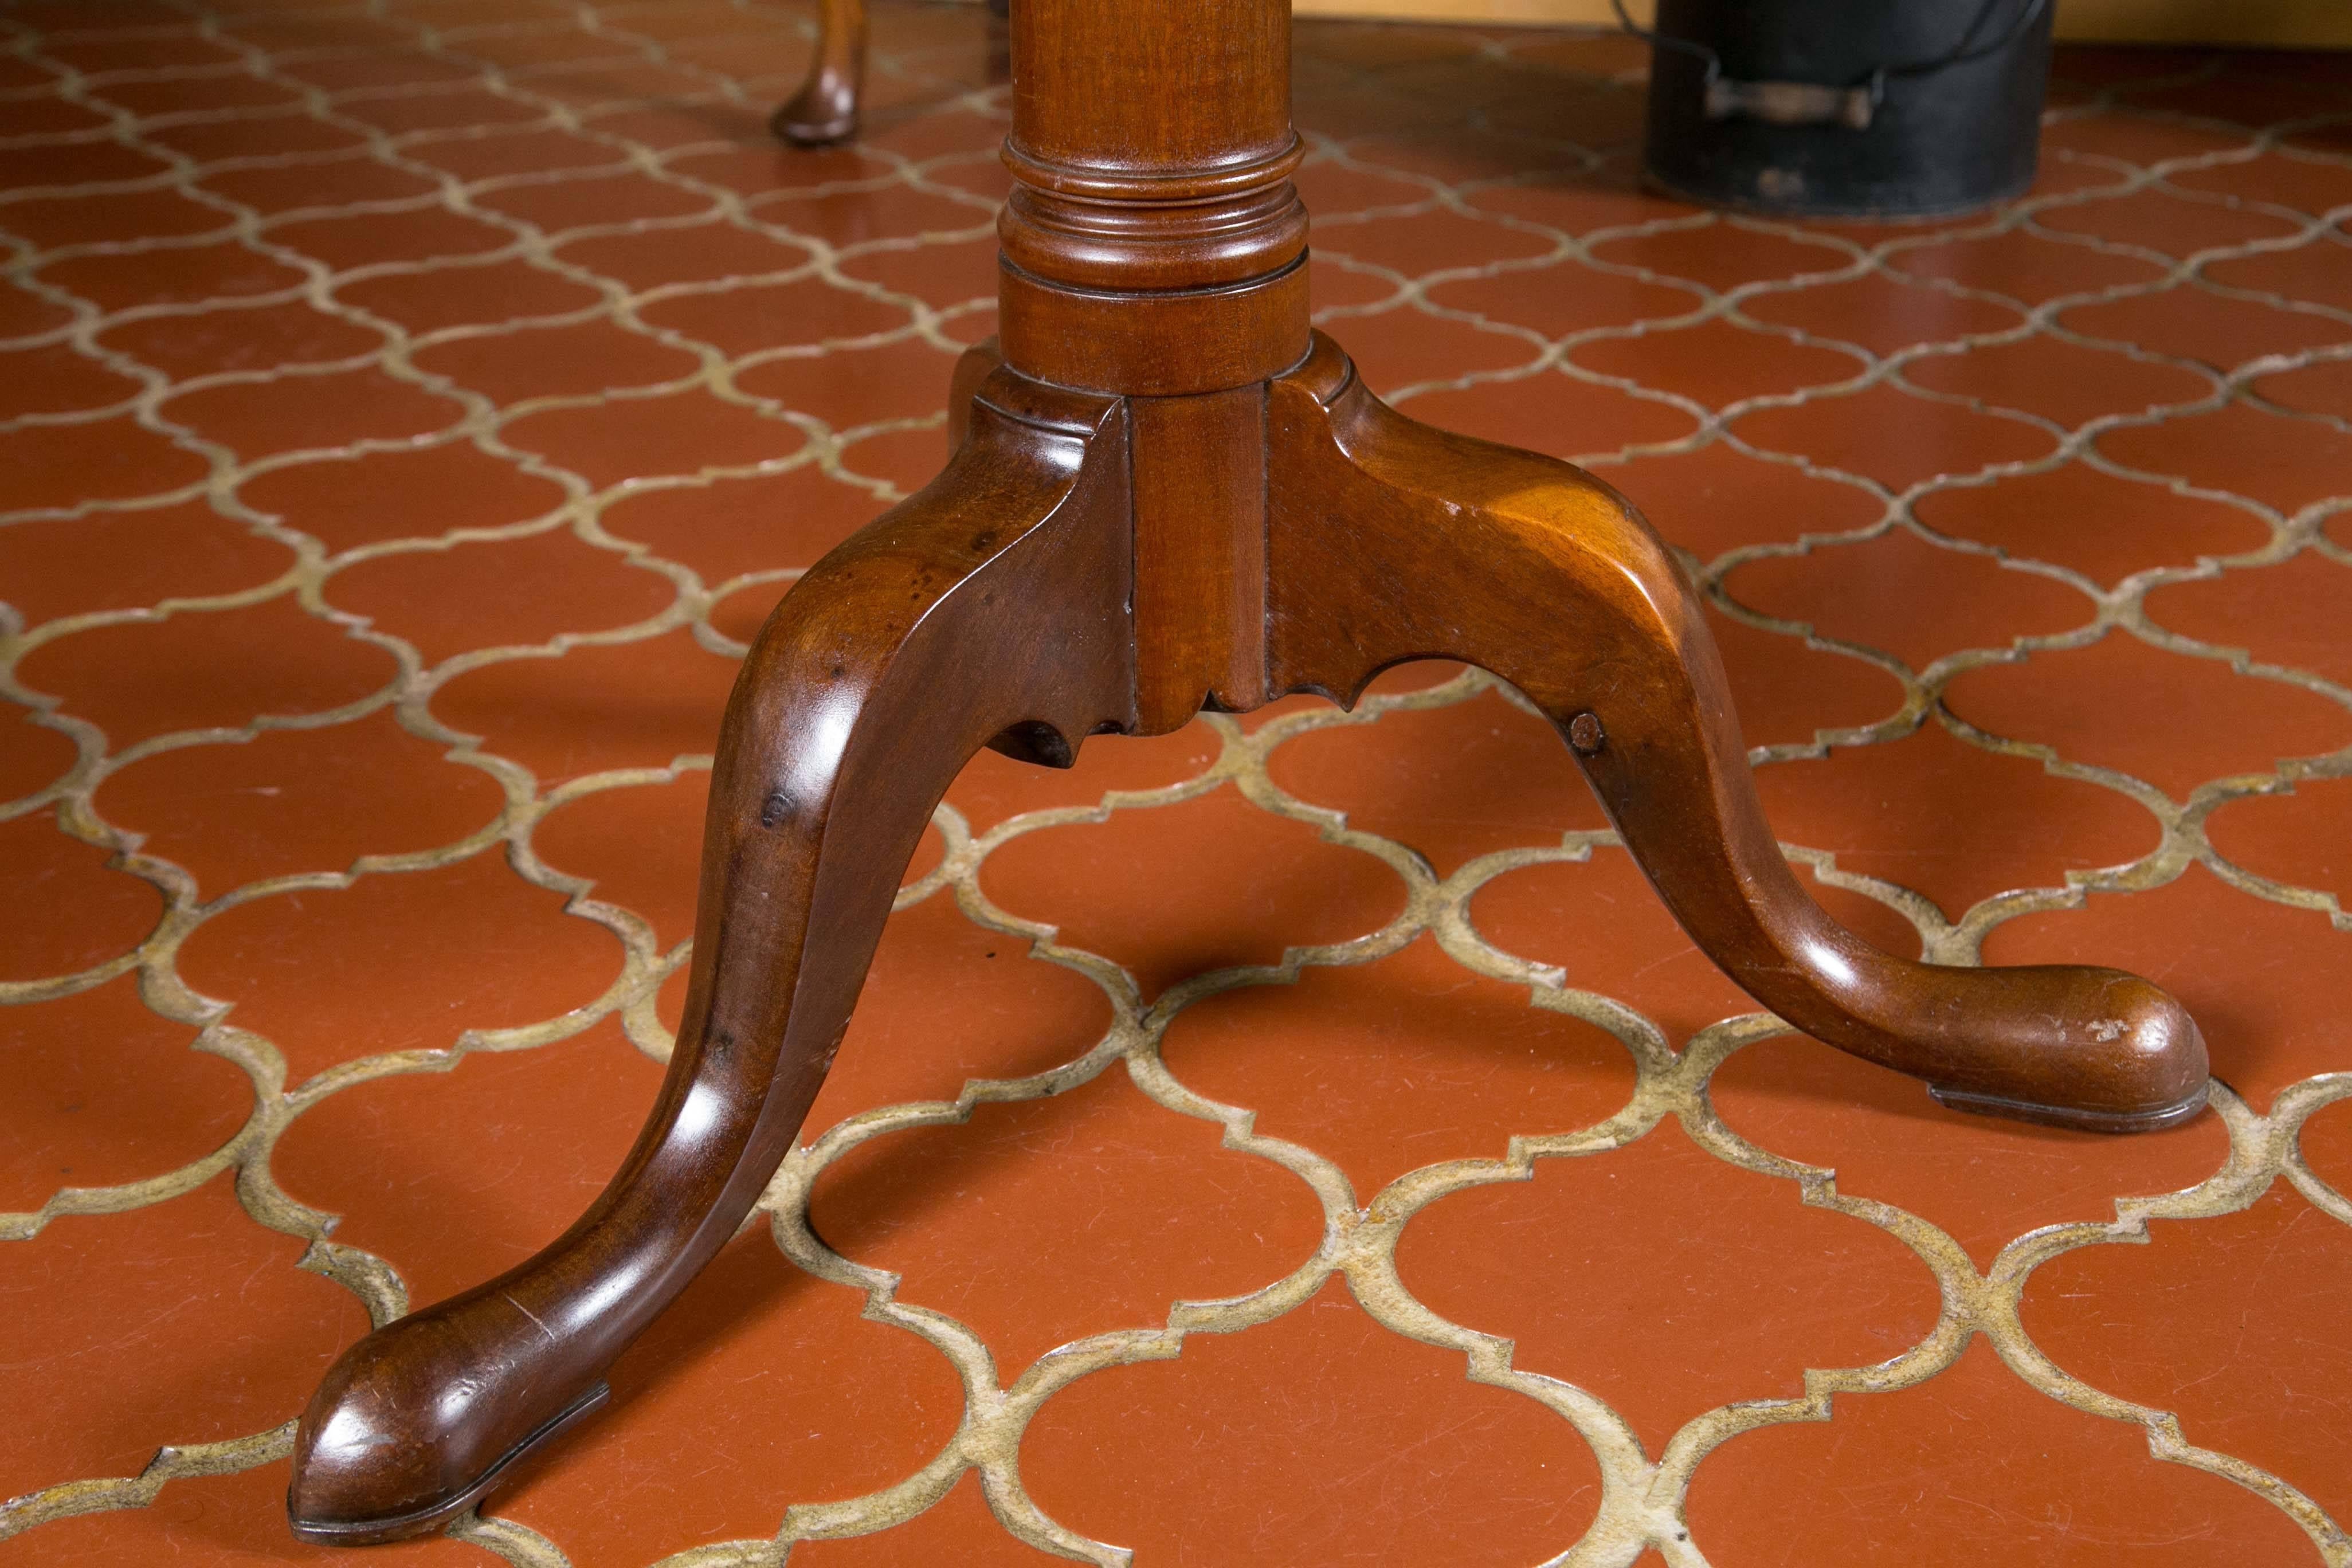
(1091, 563)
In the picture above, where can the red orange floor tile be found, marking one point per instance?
(1300, 1139)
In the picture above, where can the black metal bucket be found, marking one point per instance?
(1847, 108)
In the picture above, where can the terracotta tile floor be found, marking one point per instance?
(1300, 1139)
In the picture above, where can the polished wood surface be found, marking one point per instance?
(1165, 493)
(825, 111)
(992, 606)
(1392, 541)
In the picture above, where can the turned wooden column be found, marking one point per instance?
(1162, 256)
(1146, 254)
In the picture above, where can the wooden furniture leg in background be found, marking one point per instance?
(825, 111)
(1167, 493)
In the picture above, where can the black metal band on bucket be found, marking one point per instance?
(1793, 106)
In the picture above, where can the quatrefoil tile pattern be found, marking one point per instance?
(1302, 1138)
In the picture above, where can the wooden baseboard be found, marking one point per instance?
(2268, 23)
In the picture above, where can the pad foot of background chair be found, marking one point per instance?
(824, 112)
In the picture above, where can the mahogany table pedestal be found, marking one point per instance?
(1166, 494)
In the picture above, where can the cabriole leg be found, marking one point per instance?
(991, 606)
(1392, 541)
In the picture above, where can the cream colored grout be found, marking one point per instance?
(1642, 1503)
